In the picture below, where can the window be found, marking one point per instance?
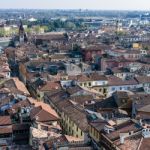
(81, 133)
(105, 90)
(80, 84)
(77, 129)
(89, 83)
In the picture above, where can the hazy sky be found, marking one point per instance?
(77, 4)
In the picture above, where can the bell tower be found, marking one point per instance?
(22, 34)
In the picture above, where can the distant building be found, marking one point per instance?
(22, 34)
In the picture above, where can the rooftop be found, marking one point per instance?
(5, 120)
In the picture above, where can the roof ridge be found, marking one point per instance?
(140, 143)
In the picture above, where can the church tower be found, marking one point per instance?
(22, 34)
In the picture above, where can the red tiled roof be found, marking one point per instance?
(44, 106)
(42, 115)
(145, 145)
(50, 86)
(115, 81)
(83, 78)
(23, 103)
(123, 128)
(5, 120)
(20, 86)
(4, 130)
(143, 79)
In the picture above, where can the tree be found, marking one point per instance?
(2, 32)
(37, 29)
(70, 25)
(66, 36)
(11, 43)
(45, 28)
(28, 30)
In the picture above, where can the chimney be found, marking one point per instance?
(122, 137)
(140, 121)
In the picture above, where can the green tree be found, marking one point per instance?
(28, 30)
(45, 28)
(2, 32)
(37, 29)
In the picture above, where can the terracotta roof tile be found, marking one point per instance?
(115, 81)
(50, 86)
(143, 79)
(7, 129)
(5, 120)
(42, 115)
(20, 86)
